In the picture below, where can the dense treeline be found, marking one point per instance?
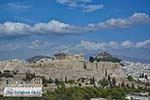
(84, 93)
(110, 59)
(108, 89)
(7, 74)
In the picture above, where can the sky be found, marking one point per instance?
(45, 27)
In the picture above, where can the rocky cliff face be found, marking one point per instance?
(15, 65)
(64, 68)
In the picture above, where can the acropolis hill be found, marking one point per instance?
(64, 65)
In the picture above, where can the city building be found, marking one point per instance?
(19, 82)
(138, 96)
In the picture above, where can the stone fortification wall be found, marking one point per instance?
(76, 69)
(71, 69)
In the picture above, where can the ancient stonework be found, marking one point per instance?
(72, 69)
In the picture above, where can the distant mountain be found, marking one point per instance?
(141, 60)
(105, 56)
(37, 58)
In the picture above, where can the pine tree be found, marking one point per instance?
(122, 84)
(133, 85)
(114, 82)
(109, 78)
(105, 72)
(127, 85)
(66, 80)
(91, 59)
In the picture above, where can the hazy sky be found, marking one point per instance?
(44, 27)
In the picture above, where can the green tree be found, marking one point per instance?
(113, 82)
(130, 78)
(105, 72)
(66, 80)
(85, 66)
(50, 80)
(133, 85)
(122, 84)
(29, 76)
(109, 78)
(71, 81)
(56, 82)
(91, 59)
(103, 82)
